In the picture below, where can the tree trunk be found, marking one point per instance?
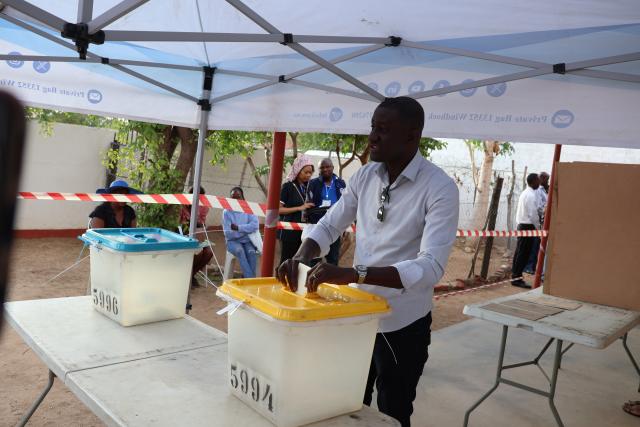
(188, 148)
(510, 203)
(294, 143)
(484, 187)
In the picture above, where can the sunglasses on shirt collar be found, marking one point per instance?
(384, 198)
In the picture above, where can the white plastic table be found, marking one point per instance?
(591, 325)
(164, 373)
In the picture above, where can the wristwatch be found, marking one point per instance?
(362, 273)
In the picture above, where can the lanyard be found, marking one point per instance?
(303, 197)
(326, 189)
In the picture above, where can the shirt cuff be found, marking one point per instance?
(410, 272)
(321, 237)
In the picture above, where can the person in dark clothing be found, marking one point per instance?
(325, 191)
(202, 258)
(114, 214)
(294, 201)
(528, 218)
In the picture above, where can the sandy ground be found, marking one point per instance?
(35, 261)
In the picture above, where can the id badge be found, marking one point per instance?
(326, 204)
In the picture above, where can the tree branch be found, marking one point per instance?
(256, 175)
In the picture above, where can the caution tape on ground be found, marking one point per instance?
(218, 202)
(477, 288)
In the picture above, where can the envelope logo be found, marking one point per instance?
(94, 96)
(562, 119)
(335, 114)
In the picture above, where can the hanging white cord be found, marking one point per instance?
(66, 269)
(215, 258)
(390, 348)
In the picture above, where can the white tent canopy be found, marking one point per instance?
(551, 71)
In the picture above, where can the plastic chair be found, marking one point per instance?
(229, 258)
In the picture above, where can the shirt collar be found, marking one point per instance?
(410, 171)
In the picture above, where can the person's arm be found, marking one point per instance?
(531, 209)
(226, 223)
(438, 236)
(97, 222)
(251, 226)
(323, 234)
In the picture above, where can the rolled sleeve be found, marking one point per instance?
(438, 236)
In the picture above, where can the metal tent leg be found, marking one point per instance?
(38, 401)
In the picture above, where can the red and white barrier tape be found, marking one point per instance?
(477, 288)
(217, 202)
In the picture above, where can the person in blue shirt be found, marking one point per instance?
(237, 227)
(325, 191)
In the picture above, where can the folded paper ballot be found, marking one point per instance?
(303, 270)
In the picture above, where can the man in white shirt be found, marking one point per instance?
(407, 216)
(541, 193)
(528, 218)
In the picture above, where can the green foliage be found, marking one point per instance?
(46, 118)
(140, 159)
(506, 148)
(226, 144)
(143, 160)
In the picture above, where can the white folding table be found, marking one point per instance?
(591, 325)
(164, 373)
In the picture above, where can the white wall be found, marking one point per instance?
(69, 161)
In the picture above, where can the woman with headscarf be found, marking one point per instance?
(114, 214)
(294, 200)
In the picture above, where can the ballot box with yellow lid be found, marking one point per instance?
(299, 359)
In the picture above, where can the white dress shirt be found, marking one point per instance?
(542, 200)
(419, 228)
(528, 208)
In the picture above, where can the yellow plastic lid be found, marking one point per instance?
(270, 297)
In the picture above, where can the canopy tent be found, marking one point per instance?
(554, 71)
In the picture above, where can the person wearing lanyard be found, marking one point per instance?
(407, 214)
(325, 192)
(294, 201)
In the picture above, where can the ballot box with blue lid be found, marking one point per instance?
(140, 275)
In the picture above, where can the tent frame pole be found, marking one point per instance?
(273, 204)
(205, 108)
(85, 10)
(547, 218)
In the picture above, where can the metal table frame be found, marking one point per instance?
(557, 362)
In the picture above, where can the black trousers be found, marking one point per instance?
(290, 242)
(396, 366)
(523, 251)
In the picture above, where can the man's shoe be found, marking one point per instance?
(521, 284)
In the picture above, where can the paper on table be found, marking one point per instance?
(303, 270)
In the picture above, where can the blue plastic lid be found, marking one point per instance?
(138, 239)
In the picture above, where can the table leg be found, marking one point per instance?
(554, 379)
(633, 360)
(503, 344)
(38, 401)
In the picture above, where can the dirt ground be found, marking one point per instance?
(36, 261)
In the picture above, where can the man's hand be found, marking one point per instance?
(328, 273)
(287, 273)
(234, 227)
(305, 206)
